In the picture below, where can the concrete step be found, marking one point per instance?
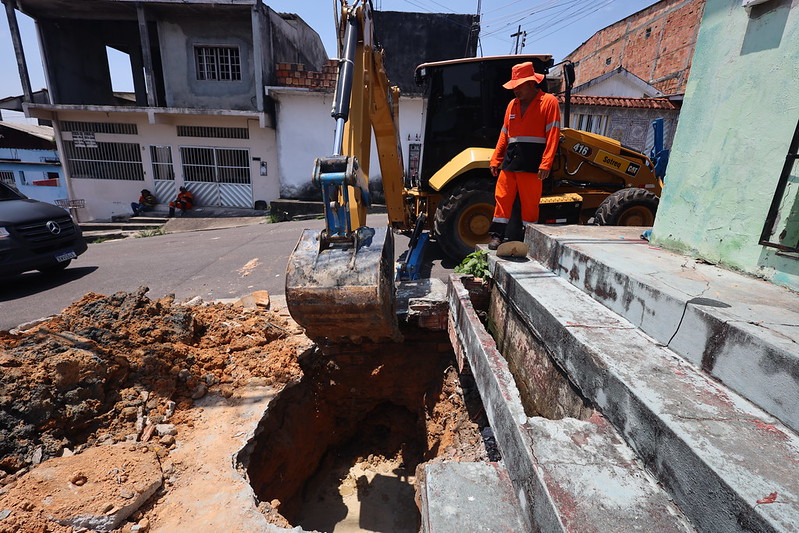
(742, 331)
(727, 464)
(135, 224)
(457, 497)
(569, 474)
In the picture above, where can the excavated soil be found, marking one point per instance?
(166, 381)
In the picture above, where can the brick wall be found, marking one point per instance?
(295, 75)
(656, 44)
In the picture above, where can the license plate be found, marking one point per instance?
(66, 256)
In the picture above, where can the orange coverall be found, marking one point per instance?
(526, 143)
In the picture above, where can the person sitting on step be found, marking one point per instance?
(146, 203)
(184, 202)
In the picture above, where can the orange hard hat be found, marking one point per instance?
(522, 73)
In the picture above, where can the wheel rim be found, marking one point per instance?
(474, 223)
(638, 215)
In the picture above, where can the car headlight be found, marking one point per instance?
(3, 233)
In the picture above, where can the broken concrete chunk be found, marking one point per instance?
(199, 392)
(166, 429)
(79, 508)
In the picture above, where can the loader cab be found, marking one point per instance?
(465, 105)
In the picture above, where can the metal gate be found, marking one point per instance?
(163, 173)
(217, 176)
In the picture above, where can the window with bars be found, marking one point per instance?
(215, 132)
(594, 123)
(7, 177)
(161, 157)
(220, 165)
(218, 63)
(118, 128)
(781, 228)
(106, 161)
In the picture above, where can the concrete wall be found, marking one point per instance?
(183, 89)
(735, 128)
(105, 198)
(305, 132)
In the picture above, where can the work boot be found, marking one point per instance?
(494, 243)
(171, 212)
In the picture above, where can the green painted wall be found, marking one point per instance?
(740, 113)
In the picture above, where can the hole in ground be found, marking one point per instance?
(340, 449)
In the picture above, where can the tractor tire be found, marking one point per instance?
(464, 216)
(627, 207)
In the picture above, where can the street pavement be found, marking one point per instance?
(201, 259)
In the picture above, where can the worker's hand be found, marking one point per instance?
(494, 171)
(543, 173)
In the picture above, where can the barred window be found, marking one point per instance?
(162, 162)
(117, 128)
(593, 123)
(7, 177)
(106, 161)
(221, 63)
(216, 132)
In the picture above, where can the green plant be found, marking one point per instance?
(475, 264)
(150, 233)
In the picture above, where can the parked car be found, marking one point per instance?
(35, 235)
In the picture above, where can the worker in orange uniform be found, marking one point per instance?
(184, 202)
(525, 149)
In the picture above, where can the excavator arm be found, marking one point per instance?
(339, 282)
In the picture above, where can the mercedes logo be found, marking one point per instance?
(53, 227)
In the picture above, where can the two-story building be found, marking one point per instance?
(198, 116)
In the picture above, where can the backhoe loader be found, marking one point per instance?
(339, 282)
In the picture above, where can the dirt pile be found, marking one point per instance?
(115, 383)
(124, 368)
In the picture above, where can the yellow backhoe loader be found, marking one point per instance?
(340, 281)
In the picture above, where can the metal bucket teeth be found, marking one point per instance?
(338, 299)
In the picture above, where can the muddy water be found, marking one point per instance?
(339, 451)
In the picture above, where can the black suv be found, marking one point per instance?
(35, 235)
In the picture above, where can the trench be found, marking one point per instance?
(340, 449)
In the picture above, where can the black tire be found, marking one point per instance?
(627, 207)
(55, 269)
(464, 216)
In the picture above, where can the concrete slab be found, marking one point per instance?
(473, 497)
(569, 475)
(741, 330)
(718, 455)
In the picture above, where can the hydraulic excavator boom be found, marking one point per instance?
(339, 282)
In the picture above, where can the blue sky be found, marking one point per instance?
(554, 27)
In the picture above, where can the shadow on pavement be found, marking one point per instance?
(31, 283)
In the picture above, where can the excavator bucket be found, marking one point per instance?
(344, 293)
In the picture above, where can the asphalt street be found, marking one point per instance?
(212, 264)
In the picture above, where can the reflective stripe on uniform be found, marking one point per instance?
(541, 140)
(504, 130)
(500, 220)
(555, 124)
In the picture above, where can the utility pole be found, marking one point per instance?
(518, 34)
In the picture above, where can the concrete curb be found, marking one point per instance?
(740, 330)
(717, 454)
(569, 475)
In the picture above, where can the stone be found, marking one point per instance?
(167, 440)
(166, 429)
(199, 392)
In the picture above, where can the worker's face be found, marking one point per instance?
(526, 91)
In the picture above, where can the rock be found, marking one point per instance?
(36, 458)
(166, 429)
(226, 391)
(170, 409)
(193, 302)
(128, 413)
(199, 392)
(127, 493)
(261, 299)
(167, 440)
(78, 480)
(5, 513)
(142, 527)
(210, 379)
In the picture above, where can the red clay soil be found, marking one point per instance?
(121, 369)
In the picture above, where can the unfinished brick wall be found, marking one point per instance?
(296, 75)
(656, 44)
